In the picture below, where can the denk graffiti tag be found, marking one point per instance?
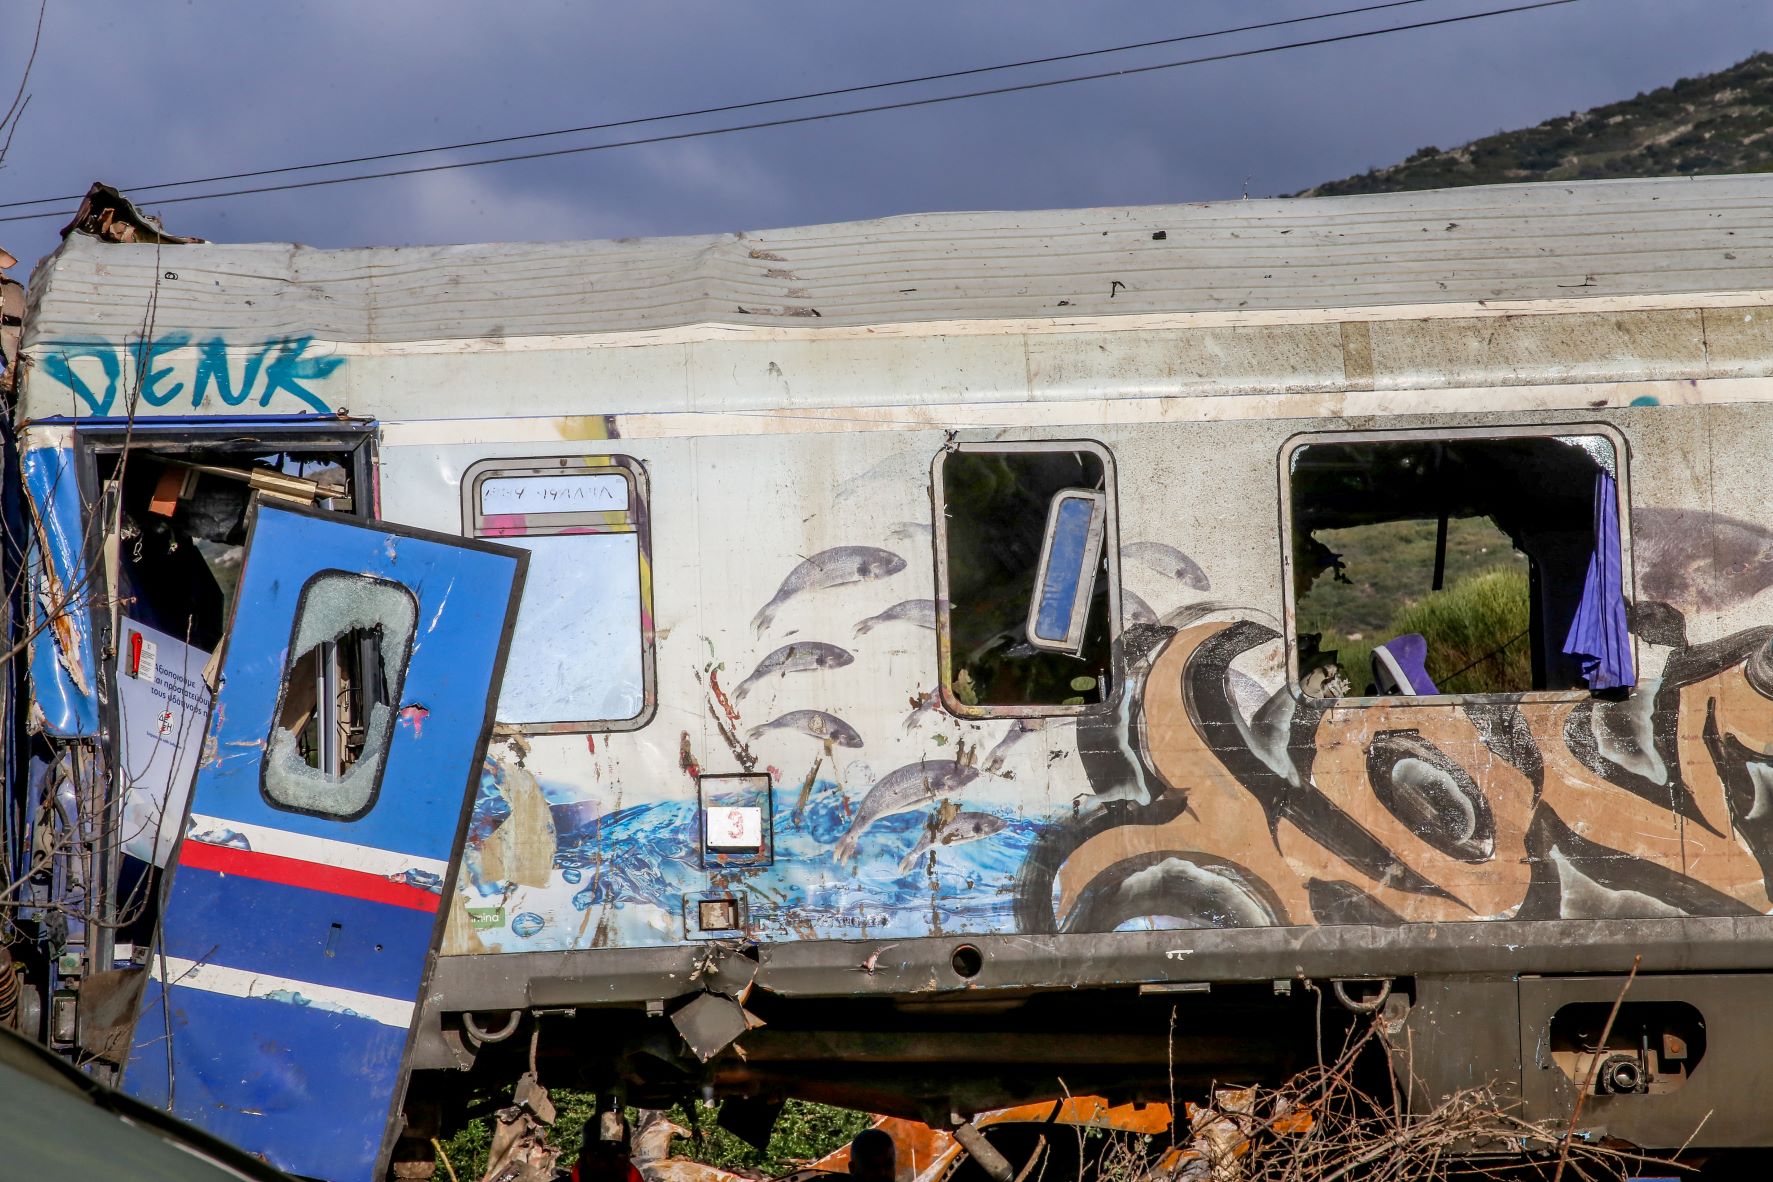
(280, 366)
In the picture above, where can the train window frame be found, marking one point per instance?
(1110, 558)
(636, 519)
(1621, 473)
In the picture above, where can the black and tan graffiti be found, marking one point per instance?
(1311, 811)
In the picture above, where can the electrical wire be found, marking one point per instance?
(728, 108)
(789, 121)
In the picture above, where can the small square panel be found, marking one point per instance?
(736, 820)
(717, 915)
(734, 828)
(705, 913)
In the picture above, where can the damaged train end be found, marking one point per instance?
(882, 664)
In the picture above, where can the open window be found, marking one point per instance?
(1457, 562)
(582, 655)
(1025, 578)
(171, 516)
(165, 513)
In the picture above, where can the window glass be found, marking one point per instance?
(1026, 577)
(1457, 564)
(581, 653)
(1065, 579)
(335, 710)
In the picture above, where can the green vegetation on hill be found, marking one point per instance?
(1716, 123)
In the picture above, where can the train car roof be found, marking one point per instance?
(1506, 243)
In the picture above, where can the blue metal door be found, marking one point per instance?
(306, 897)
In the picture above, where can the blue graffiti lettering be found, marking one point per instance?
(60, 366)
(279, 366)
(212, 366)
(151, 377)
(289, 369)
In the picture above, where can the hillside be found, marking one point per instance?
(1716, 123)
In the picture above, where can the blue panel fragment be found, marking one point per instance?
(1065, 569)
(306, 1075)
(302, 944)
(317, 1066)
(62, 668)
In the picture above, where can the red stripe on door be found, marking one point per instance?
(314, 876)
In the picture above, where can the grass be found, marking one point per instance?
(1475, 631)
(1390, 566)
(805, 1132)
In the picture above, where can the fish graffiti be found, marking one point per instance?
(998, 756)
(918, 612)
(1735, 566)
(1217, 796)
(958, 828)
(1168, 561)
(835, 567)
(816, 724)
(1135, 610)
(800, 656)
(902, 790)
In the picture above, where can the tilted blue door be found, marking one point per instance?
(306, 897)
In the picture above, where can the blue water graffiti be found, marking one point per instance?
(279, 366)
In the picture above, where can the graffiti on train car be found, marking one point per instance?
(1311, 812)
(281, 370)
(1214, 794)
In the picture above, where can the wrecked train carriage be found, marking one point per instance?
(958, 642)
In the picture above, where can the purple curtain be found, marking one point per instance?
(1598, 636)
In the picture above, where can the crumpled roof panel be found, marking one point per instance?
(1494, 243)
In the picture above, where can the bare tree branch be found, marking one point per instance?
(15, 110)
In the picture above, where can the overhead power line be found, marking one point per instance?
(817, 117)
(728, 108)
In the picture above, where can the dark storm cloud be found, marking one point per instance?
(217, 86)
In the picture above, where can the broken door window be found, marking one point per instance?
(581, 655)
(1024, 577)
(335, 710)
(1456, 563)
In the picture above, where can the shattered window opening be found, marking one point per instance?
(1456, 563)
(182, 532)
(1025, 581)
(352, 635)
(581, 656)
(332, 687)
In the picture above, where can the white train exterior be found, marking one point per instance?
(753, 753)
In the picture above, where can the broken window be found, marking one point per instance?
(335, 711)
(174, 524)
(1024, 575)
(1456, 563)
(581, 655)
(167, 518)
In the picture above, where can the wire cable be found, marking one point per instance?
(789, 121)
(727, 108)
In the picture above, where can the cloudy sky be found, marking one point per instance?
(134, 94)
